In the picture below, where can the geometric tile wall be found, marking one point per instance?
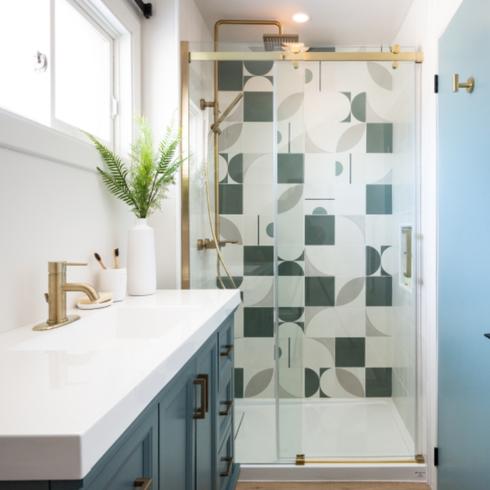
(306, 164)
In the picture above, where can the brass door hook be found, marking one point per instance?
(469, 85)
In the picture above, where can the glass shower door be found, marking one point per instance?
(345, 260)
(246, 212)
(202, 264)
(316, 174)
(289, 91)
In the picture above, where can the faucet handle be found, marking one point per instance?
(60, 266)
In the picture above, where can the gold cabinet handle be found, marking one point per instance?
(228, 404)
(202, 381)
(227, 350)
(143, 483)
(229, 465)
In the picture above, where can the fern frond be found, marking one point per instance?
(115, 189)
(168, 148)
(116, 178)
(143, 172)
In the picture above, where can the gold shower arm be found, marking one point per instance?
(243, 22)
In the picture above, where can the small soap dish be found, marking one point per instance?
(104, 300)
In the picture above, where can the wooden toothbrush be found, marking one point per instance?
(116, 258)
(98, 258)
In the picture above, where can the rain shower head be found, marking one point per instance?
(275, 42)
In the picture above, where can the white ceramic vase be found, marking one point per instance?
(141, 265)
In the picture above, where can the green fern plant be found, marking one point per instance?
(143, 184)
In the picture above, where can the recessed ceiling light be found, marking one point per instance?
(301, 17)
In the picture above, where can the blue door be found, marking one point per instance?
(464, 252)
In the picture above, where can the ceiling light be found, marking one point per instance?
(301, 17)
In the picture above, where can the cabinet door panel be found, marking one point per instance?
(135, 459)
(176, 433)
(205, 427)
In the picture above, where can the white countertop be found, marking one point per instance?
(69, 393)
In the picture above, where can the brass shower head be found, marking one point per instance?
(274, 42)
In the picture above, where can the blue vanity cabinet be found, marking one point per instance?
(205, 416)
(130, 463)
(182, 441)
(176, 434)
(227, 470)
(188, 414)
(134, 462)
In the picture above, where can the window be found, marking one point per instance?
(24, 83)
(58, 65)
(83, 71)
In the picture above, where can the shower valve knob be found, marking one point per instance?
(208, 244)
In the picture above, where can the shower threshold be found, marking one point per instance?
(410, 472)
(342, 439)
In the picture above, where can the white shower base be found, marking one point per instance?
(337, 429)
(368, 433)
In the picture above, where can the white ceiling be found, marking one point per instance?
(339, 22)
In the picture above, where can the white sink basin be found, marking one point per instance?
(113, 328)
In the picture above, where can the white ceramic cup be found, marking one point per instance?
(113, 281)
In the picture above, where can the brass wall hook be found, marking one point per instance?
(469, 85)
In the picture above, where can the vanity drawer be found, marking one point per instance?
(225, 410)
(226, 464)
(225, 341)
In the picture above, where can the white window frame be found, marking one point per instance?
(63, 143)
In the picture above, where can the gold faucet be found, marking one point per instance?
(56, 295)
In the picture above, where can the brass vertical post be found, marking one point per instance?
(184, 171)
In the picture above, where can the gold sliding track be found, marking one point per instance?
(414, 56)
(301, 460)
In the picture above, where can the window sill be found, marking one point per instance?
(20, 134)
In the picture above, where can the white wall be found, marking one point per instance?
(49, 211)
(172, 21)
(424, 24)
